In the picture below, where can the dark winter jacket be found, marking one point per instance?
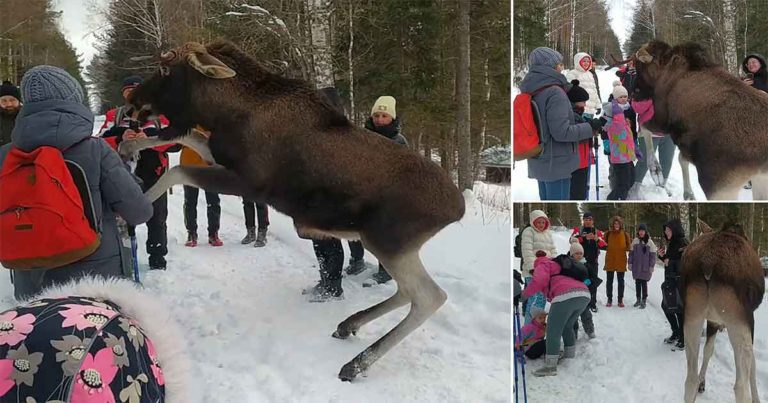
(68, 126)
(152, 162)
(560, 136)
(591, 247)
(760, 79)
(7, 121)
(675, 247)
(390, 131)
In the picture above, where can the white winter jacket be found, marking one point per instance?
(586, 81)
(533, 240)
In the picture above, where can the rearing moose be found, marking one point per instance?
(276, 140)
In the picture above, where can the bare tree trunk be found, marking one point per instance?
(730, 37)
(685, 219)
(573, 30)
(751, 222)
(320, 12)
(484, 119)
(746, 26)
(350, 60)
(463, 96)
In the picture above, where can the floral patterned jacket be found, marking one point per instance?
(76, 349)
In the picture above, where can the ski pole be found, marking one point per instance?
(597, 170)
(134, 256)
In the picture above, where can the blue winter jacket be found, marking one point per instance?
(68, 126)
(559, 134)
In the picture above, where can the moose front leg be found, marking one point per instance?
(216, 179)
(194, 140)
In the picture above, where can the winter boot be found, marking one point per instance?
(637, 304)
(157, 263)
(679, 346)
(672, 339)
(609, 304)
(315, 289)
(642, 304)
(568, 353)
(331, 292)
(356, 266)
(380, 277)
(191, 240)
(593, 309)
(214, 239)
(591, 335)
(249, 237)
(261, 238)
(549, 368)
(621, 303)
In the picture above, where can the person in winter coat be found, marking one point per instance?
(54, 115)
(582, 71)
(661, 142)
(534, 239)
(560, 135)
(150, 167)
(10, 105)
(592, 240)
(580, 177)
(576, 253)
(621, 143)
(94, 340)
(671, 256)
(213, 204)
(642, 259)
(754, 67)
(568, 297)
(619, 244)
(532, 335)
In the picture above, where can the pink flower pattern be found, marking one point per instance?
(85, 316)
(14, 329)
(6, 383)
(92, 382)
(157, 371)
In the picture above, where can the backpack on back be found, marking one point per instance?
(526, 129)
(46, 212)
(518, 242)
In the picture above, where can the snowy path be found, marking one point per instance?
(628, 361)
(254, 338)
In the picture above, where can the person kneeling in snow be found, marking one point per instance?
(92, 340)
(569, 298)
(533, 334)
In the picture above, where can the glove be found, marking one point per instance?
(606, 147)
(597, 112)
(596, 124)
(588, 282)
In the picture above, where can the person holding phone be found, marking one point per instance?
(592, 241)
(755, 74)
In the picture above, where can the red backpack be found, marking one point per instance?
(46, 213)
(526, 136)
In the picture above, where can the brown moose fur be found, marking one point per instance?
(279, 141)
(723, 284)
(719, 123)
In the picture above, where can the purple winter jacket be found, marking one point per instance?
(642, 259)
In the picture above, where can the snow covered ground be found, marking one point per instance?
(629, 362)
(254, 338)
(527, 189)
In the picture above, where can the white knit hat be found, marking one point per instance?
(619, 90)
(385, 104)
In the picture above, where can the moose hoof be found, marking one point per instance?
(349, 371)
(342, 333)
(701, 387)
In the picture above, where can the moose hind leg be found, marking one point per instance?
(354, 322)
(425, 296)
(212, 179)
(709, 348)
(692, 330)
(741, 341)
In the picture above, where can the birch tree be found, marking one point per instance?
(466, 179)
(729, 28)
(322, 56)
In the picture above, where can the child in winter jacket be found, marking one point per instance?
(621, 143)
(569, 298)
(532, 334)
(580, 177)
(642, 259)
(535, 238)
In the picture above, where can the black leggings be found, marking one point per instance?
(609, 286)
(641, 289)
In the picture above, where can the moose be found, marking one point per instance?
(717, 122)
(277, 140)
(723, 284)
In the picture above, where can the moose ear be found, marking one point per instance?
(643, 55)
(209, 65)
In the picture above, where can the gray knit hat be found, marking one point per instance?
(45, 83)
(545, 57)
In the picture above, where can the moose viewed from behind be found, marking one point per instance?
(723, 284)
(278, 141)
